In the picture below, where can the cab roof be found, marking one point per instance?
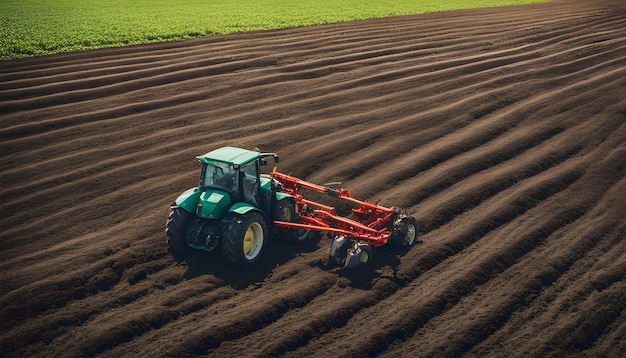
(229, 155)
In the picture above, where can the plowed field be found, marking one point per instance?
(503, 131)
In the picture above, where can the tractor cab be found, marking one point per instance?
(236, 172)
(231, 205)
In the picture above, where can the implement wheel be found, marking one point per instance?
(243, 238)
(405, 232)
(339, 249)
(358, 254)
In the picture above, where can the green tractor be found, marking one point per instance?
(237, 207)
(232, 205)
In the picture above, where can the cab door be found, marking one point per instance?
(250, 184)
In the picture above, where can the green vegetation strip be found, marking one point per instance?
(40, 27)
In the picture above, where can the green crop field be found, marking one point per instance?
(40, 27)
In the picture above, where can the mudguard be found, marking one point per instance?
(188, 200)
(242, 208)
(281, 196)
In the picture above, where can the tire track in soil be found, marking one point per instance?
(501, 130)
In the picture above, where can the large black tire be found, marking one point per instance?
(243, 238)
(175, 229)
(285, 210)
(405, 233)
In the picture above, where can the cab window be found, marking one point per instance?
(250, 188)
(218, 174)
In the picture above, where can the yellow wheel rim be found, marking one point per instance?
(410, 234)
(287, 213)
(364, 257)
(248, 240)
(253, 241)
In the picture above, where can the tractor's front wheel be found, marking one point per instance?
(175, 229)
(243, 238)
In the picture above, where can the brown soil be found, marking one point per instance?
(503, 131)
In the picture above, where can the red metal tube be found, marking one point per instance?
(372, 223)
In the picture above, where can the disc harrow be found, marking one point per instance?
(352, 239)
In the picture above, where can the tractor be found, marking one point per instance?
(237, 208)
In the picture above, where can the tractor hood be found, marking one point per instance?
(213, 204)
(207, 203)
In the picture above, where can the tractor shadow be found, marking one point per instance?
(383, 266)
(201, 263)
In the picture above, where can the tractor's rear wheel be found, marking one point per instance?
(243, 238)
(285, 210)
(175, 229)
(405, 233)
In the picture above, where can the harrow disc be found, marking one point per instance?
(358, 254)
(339, 249)
(349, 253)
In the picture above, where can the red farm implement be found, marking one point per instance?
(353, 239)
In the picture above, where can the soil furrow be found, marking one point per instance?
(501, 130)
